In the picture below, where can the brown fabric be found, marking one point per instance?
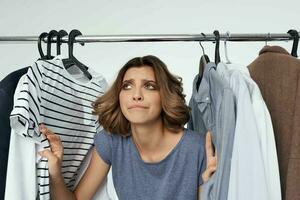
(277, 74)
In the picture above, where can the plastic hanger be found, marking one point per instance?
(204, 59)
(217, 49)
(295, 35)
(225, 48)
(61, 34)
(41, 37)
(52, 34)
(72, 60)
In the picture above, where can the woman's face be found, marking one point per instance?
(139, 97)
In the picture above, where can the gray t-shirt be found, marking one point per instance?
(177, 176)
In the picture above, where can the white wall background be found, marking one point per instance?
(97, 17)
(100, 17)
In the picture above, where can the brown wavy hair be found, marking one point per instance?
(175, 112)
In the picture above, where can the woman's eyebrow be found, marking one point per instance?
(148, 80)
(143, 80)
(128, 81)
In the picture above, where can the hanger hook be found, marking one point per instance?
(61, 34)
(202, 48)
(201, 44)
(72, 36)
(225, 47)
(268, 38)
(217, 50)
(41, 38)
(51, 35)
(295, 35)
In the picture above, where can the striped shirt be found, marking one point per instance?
(50, 95)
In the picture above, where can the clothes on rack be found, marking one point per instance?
(7, 90)
(277, 74)
(254, 160)
(238, 109)
(251, 157)
(213, 106)
(49, 94)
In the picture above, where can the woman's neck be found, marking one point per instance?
(148, 137)
(153, 141)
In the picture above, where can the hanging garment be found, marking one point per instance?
(277, 75)
(266, 133)
(50, 95)
(250, 164)
(7, 90)
(21, 173)
(213, 109)
(21, 181)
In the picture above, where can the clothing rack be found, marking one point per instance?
(242, 37)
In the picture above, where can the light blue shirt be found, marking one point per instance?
(213, 109)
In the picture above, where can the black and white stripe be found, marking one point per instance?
(51, 96)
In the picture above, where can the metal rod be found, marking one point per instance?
(158, 38)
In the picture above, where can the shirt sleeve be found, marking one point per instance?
(201, 162)
(26, 114)
(103, 144)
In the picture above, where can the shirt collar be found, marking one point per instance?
(203, 94)
(273, 49)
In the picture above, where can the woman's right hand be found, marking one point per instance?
(55, 155)
(211, 158)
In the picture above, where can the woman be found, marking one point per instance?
(152, 155)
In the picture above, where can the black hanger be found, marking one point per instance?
(52, 34)
(217, 49)
(295, 35)
(41, 37)
(204, 59)
(72, 60)
(61, 34)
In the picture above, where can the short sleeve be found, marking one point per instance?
(103, 144)
(26, 114)
(201, 162)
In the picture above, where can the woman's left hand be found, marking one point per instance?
(211, 158)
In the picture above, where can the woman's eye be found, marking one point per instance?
(150, 86)
(126, 86)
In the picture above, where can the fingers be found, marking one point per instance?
(212, 169)
(44, 130)
(54, 140)
(208, 173)
(52, 137)
(47, 154)
(211, 157)
(208, 145)
(54, 163)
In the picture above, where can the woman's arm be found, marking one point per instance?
(92, 178)
(89, 183)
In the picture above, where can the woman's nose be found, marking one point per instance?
(137, 96)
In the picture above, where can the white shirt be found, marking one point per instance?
(247, 176)
(266, 134)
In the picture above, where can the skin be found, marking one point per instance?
(140, 103)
